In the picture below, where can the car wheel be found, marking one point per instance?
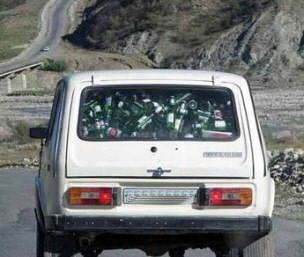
(91, 253)
(39, 241)
(260, 248)
(51, 246)
(58, 246)
(233, 252)
(177, 252)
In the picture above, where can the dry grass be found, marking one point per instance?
(279, 144)
(13, 154)
(17, 148)
(82, 59)
(18, 26)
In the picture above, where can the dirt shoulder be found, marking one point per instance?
(288, 204)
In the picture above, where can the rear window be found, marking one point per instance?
(157, 113)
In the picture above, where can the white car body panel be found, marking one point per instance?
(70, 161)
(180, 157)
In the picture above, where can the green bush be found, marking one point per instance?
(52, 65)
(19, 131)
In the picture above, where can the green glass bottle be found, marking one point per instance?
(206, 116)
(89, 110)
(121, 106)
(137, 109)
(180, 115)
(211, 120)
(85, 127)
(107, 110)
(88, 114)
(98, 112)
(143, 121)
(158, 108)
(171, 108)
(182, 98)
(153, 110)
(200, 126)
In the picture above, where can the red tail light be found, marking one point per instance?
(230, 196)
(90, 196)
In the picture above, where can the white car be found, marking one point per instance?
(159, 160)
(45, 49)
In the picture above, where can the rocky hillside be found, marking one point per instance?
(262, 39)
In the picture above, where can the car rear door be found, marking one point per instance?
(115, 136)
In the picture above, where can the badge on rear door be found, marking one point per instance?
(158, 172)
(222, 154)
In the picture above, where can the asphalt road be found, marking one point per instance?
(17, 223)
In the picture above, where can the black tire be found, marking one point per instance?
(91, 253)
(58, 246)
(234, 252)
(261, 248)
(177, 252)
(39, 241)
(51, 246)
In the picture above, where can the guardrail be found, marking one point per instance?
(20, 69)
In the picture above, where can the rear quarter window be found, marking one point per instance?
(157, 113)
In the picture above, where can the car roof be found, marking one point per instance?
(150, 75)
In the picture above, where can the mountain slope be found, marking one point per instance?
(262, 39)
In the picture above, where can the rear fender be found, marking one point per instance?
(40, 209)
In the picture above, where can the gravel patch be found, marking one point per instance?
(280, 110)
(27, 108)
